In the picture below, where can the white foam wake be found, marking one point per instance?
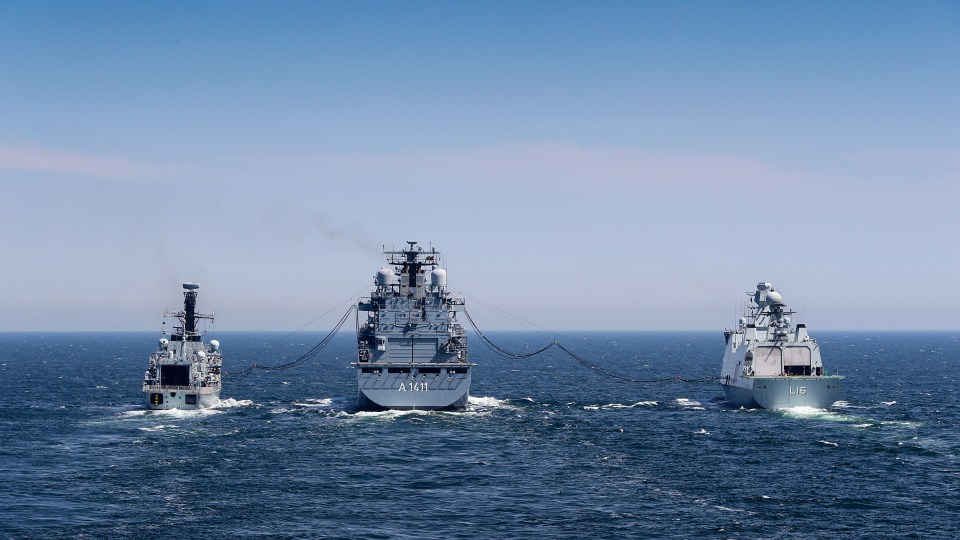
(485, 402)
(813, 413)
(689, 404)
(230, 403)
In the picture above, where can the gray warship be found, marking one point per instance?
(412, 351)
(184, 372)
(769, 362)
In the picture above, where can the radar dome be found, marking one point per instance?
(201, 354)
(163, 342)
(385, 276)
(773, 297)
(438, 278)
(214, 344)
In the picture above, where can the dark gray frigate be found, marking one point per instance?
(184, 372)
(771, 363)
(412, 351)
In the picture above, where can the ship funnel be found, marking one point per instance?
(190, 308)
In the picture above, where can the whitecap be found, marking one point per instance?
(813, 413)
(701, 431)
(326, 402)
(622, 406)
(488, 402)
(828, 443)
(387, 415)
(230, 402)
(689, 404)
(902, 423)
(158, 427)
(888, 402)
(192, 413)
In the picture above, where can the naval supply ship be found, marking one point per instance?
(412, 351)
(769, 362)
(184, 372)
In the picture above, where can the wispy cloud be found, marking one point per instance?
(44, 160)
(547, 164)
(933, 158)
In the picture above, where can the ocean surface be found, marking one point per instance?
(546, 448)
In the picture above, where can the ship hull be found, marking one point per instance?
(162, 399)
(412, 391)
(784, 392)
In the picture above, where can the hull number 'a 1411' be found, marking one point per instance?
(414, 387)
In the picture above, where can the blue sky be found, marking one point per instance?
(614, 165)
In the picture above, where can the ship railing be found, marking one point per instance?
(452, 363)
(161, 387)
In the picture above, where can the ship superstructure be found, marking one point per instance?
(769, 362)
(184, 372)
(412, 351)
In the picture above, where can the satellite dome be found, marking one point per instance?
(385, 276)
(773, 297)
(214, 344)
(438, 278)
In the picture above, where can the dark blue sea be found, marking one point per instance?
(546, 448)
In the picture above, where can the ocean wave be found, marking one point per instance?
(813, 413)
(689, 404)
(902, 423)
(615, 406)
(158, 427)
(487, 402)
(230, 403)
(476, 406)
(172, 413)
(331, 403)
(384, 415)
